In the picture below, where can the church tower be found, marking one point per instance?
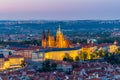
(50, 40)
(44, 41)
(58, 42)
(59, 39)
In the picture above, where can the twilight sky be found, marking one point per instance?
(59, 9)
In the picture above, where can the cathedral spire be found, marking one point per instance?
(59, 30)
(48, 34)
(43, 34)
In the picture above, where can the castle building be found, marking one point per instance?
(113, 47)
(59, 42)
(13, 61)
(88, 49)
(55, 54)
(58, 47)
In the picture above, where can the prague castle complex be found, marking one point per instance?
(59, 42)
(55, 48)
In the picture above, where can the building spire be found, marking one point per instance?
(48, 34)
(43, 34)
(59, 30)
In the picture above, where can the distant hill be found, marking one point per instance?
(52, 25)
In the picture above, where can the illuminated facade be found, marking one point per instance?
(13, 61)
(6, 64)
(89, 49)
(113, 48)
(16, 60)
(59, 42)
(55, 54)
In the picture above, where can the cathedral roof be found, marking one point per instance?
(59, 49)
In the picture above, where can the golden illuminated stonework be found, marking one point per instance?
(13, 61)
(59, 42)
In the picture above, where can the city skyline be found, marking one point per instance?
(59, 9)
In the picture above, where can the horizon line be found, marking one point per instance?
(55, 19)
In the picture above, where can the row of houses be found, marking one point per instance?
(84, 71)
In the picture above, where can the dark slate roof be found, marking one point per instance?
(1, 56)
(59, 49)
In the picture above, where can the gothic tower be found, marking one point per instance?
(44, 41)
(58, 42)
(50, 40)
(59, 39)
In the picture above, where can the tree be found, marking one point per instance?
(64, 59)
(93, 55)
(77, 58)
(10, 53)
(54, 65)
(70, 59)
(83, 56)
(23, 63)
(67, 57)
(113, 58)
(107, 54)
(117, 51)
(46, 66)
(101, 53)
